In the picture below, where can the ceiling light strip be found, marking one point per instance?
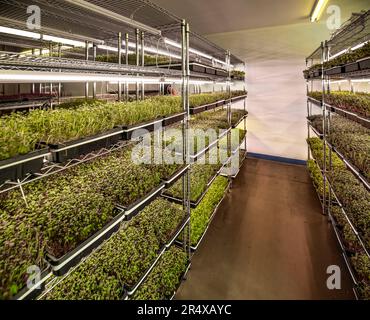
(318, 9)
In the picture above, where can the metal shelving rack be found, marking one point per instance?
(82, 21)
(352, 33)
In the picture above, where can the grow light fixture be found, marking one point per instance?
(70, 42)
(21, 33)
(18, 76)
(360, 80)
(164, 80)
(113, 15)
(338, 81)
(108, 48)
(359, 45)
(153, 50)
(317, 10)
(197, 52)
(38, 36)
(338, 54)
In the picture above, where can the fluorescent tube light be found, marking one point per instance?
(108, 48)
(338, 81)
(18, 76)
(161, 52)
(359, 45)
(70, 42)
(172, 43)
(318, 9)
(21, 33)
(199, 53)
(338, 54)
(360, 80)
(113, 49)
(39, 36)
(153, 50)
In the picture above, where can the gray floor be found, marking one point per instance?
(268, 240)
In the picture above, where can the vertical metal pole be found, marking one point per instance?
(60, 70)
(184, 124)
(33, 84)
(324, 54)
(40, 85)
(86, 58)
(308, 113)
(119, 45)
(185, 103)
(126, 61)
(228, 88)
(137, 33)
(143, 64)
(187, 109)
(245, 126)
(51, 55)
(94, 59)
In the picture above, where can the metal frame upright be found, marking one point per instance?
(185, 31)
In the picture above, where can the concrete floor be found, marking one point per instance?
(268, 240)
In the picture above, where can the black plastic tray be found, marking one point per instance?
(148, 125)
(173, 119)
(211, 106)
(210, 71)
(193, 204)
(364, 63)
(84, 146)
(221, 73)
(33, 294)
(85, 248)
(181, 279)
(181, 226)
(334, 71)
(173, 178)
(197, 68)
(317, 73)
(351, 67)
(351, 117)
(197, 110)
(134, 208)
(20, 171)
(220, 103)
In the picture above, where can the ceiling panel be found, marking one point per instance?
(217, 16)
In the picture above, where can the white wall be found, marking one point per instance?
(276, 105)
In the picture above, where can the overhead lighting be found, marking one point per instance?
(19, 76)
(70, 42)
(108, 48)
(197, 52)
(113, 15)
(15, 76)
(318, 9)
(38, 36)
(161, 52)
(359, 45)
(179, 81)
(338, 54)
(154, 50)
(21, 33)
(47, 30)
(360, 80)
(338, 81)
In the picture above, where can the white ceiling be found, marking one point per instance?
(219, 16)
(216, 16)
(257, 30)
